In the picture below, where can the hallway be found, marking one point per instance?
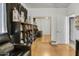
(41, 47)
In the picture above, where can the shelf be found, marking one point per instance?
(34, 25)
(26, 31)
(22, 22)
(16, 21)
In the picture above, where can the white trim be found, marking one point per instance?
(67, 30)
(2, 19)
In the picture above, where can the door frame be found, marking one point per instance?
(67, 27)
(70, 30)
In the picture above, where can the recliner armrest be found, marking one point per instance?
(4, 38)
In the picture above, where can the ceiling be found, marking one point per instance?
(47, 5)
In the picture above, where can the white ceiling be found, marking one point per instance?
(47, 5)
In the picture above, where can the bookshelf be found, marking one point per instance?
(22, 33)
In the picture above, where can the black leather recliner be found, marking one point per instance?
(5, 45)
(7, 48)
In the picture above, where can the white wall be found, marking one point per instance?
(0, 18)
(3, 25)
(46, 11)
(73, 9)
(4, 18)
(57, 23)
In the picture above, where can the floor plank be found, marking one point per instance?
(42, 47)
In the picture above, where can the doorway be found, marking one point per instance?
(71, 30)
(44, 25)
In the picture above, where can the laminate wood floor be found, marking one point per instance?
(42, 47)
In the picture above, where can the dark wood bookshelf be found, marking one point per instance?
(20, 31)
